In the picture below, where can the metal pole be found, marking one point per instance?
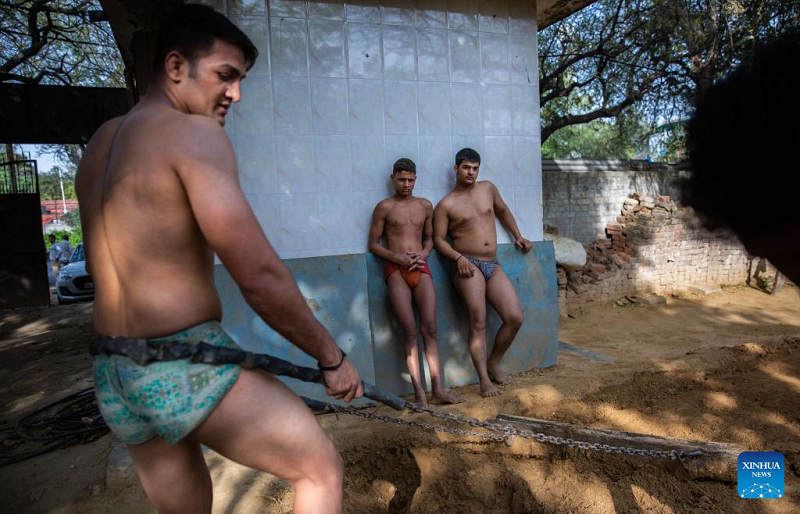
(63, 198)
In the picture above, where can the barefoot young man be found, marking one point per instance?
(467, 216)
(159, 196)
(405, 221)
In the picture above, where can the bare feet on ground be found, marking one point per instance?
(445, 396)
(420, 398)
(496, 374)
(488, 389)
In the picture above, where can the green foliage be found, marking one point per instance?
(69, 156)
(73, 218)
(24, 177)
(50, 184)
(631, 70)
(598, 139)
(75, 237)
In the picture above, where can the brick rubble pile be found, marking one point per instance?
(653, 247)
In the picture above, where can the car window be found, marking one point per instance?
(77, 254)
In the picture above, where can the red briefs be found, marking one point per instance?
(411, 277)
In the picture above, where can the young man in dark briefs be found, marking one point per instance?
(467, 217)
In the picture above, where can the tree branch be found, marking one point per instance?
(604, 112)
(37, 42)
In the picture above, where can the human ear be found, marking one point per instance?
(175, 65)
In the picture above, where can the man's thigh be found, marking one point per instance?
(262, 424)
(400, 297)
(425, 298)
(175, 477)
(501, 294)
(473, 292)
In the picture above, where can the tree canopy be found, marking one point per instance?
(58, 42)
(610, 76)
(50, 184)
(619, 71)
(68, 156)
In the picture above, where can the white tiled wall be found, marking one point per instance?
(342, 90)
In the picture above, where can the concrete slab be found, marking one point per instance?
(704, 290)
(652, 300)
(565, 347)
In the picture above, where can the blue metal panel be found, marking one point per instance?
(349, 297)
(536, 344)
(389, 355)
(335, 288)
(534, 278)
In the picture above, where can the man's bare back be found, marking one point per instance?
(160, 194)
(150, 260)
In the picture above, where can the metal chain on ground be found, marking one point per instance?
(144, 352)
(507, 432)
(422, 426)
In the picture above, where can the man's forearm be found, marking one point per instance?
(427, 245)
(381, 251)
(278, 301)
(445, 250)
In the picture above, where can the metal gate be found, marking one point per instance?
(23, 262)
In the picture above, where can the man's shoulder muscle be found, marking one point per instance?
(195, 132)
(101, 140)
(486, 185)
(426, 206)
(445, 203)
(97, 148)
(182, 140)
(384, 206)
(485, 191)
(200, 143)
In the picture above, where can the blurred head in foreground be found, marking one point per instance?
(743, 144)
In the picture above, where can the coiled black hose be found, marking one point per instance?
(70, 420)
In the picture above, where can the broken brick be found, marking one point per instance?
(597, 268)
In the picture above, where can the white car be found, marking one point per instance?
(73, 282)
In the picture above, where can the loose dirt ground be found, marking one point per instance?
(722, 368)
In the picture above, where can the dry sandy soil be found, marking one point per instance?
(722, 368)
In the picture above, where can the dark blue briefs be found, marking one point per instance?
(486, 267)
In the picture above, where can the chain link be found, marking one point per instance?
(507, 432)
